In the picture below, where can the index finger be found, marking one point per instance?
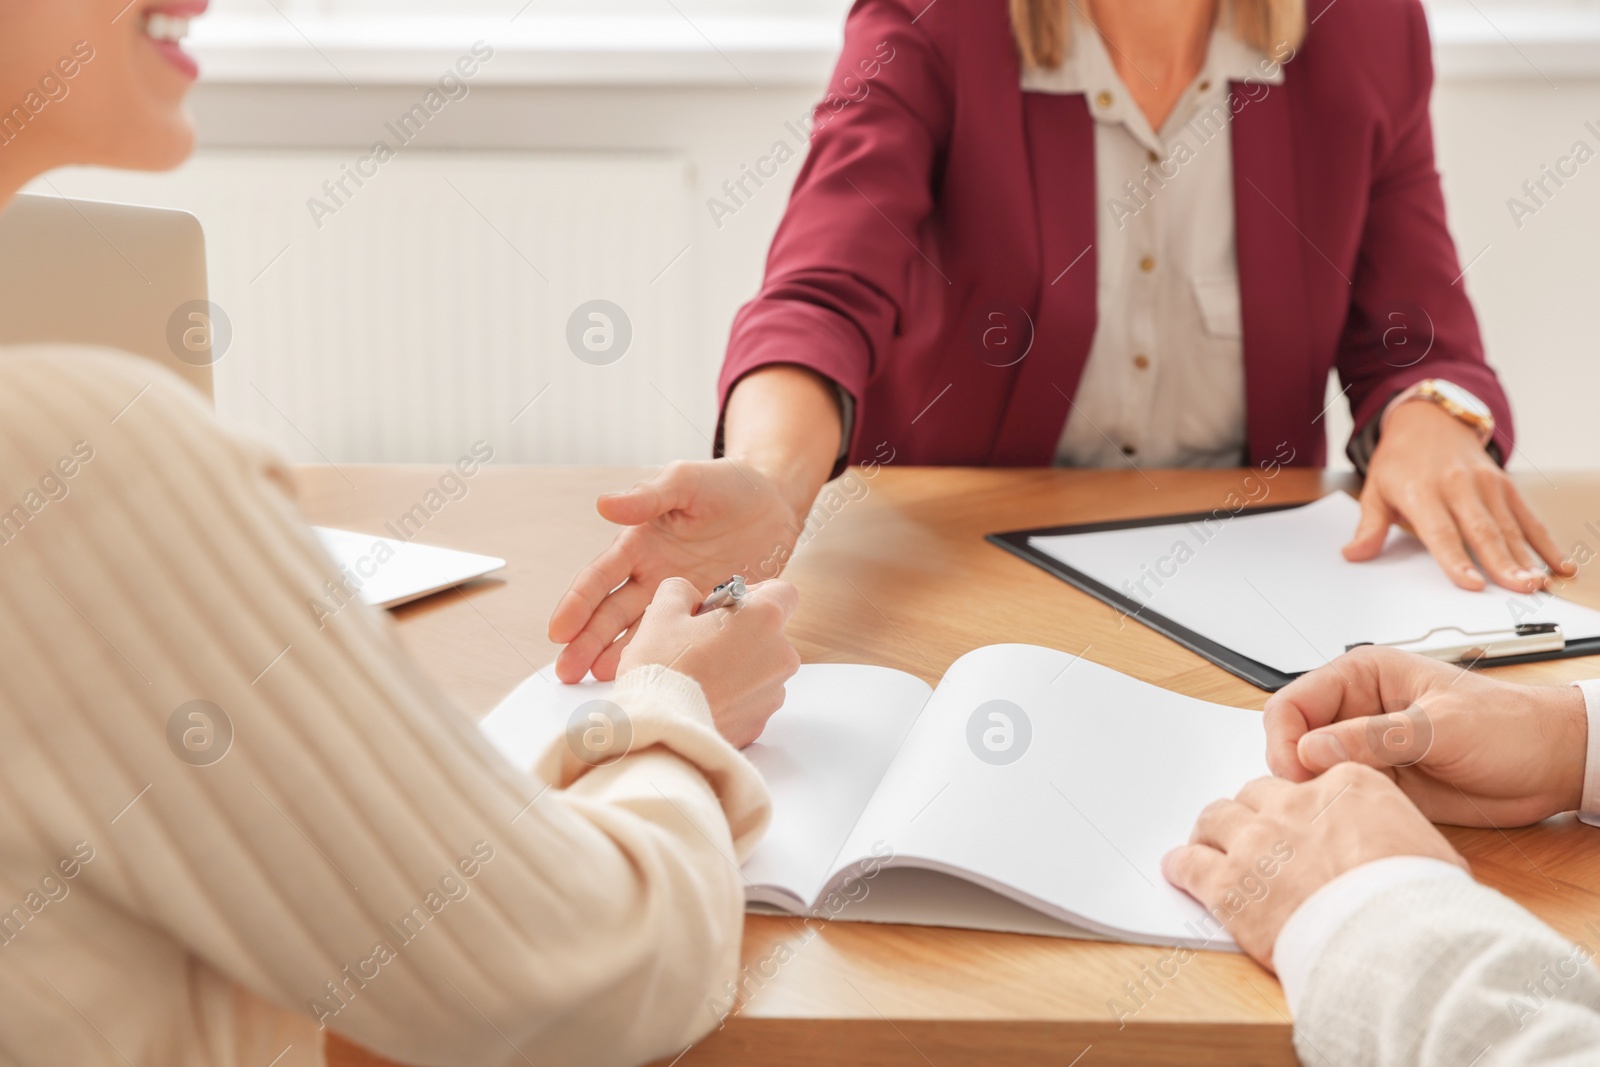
(1310, 701)
(589, 590)
(1197, 870)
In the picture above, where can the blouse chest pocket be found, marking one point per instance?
(1210, 422)
(1218, 300)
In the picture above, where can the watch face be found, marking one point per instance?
(1460, 397)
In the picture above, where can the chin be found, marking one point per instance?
(172, 150)
(162, 146)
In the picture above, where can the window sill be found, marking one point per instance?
(554, 50)
(753, 51)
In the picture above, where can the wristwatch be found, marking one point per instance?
(1455, 400)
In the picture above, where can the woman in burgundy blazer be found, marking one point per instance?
(938, 195)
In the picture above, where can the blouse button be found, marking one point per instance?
(1129, 450)
(1142, 362)
(1205, 86)
(1147, 264)
(1104, 99)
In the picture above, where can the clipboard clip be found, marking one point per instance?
(1454, 645)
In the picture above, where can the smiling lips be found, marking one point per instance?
(166, 25)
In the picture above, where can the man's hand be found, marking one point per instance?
(739, 655)
(1467, 749)
(1430, 473)
(1252, 861)
(703, 521)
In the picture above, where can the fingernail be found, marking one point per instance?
(1530, 576)
(1325, 750)
(1473, 574)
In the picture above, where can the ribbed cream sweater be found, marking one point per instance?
(1445, 972)
(357, 855)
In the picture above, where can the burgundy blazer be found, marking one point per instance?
(937, 195)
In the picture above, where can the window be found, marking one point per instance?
(553, 41)
(508, 8)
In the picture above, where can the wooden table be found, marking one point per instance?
(890, 579)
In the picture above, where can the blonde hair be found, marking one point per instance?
(1043, 27)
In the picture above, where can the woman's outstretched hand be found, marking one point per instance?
(708, 520)
(702, 521)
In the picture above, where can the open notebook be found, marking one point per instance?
(871, 771)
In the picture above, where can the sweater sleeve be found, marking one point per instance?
(278, 792)
(1445, 972)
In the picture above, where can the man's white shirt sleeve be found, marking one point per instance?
(1590, 812)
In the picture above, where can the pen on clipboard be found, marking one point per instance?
(1454, 645)
(725, 595)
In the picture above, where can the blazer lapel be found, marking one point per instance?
(1060, 137)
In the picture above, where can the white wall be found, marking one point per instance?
(1537, 287)
(665, 382)
(1533, 287)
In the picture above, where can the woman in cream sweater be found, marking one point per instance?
(358, 860)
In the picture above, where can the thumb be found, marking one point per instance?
(1376, 518)
(649, 500)
(1322, 749)
(1387, 742)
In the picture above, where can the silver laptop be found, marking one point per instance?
(107, 274)
(134, 278)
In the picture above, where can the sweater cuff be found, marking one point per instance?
(676, 692)
(1589, 812)
(661, 708)
(1313, 924)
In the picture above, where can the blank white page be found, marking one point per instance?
(1114, 775)
(822, 756)
(1275, 587)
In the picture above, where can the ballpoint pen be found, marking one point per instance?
(725, 595)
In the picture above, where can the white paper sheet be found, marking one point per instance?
(1113, 776)
(1275, 587)
(821, 756)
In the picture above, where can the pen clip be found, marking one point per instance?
(1455, 645)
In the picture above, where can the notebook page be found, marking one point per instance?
(822, 756)
(1112, 777)
(1275, 587)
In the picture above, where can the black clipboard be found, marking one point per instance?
(1256, 673)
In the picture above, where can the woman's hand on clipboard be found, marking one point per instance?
(1431, 475)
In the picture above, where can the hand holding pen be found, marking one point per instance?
(740, 658)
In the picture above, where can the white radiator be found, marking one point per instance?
(404, 318)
